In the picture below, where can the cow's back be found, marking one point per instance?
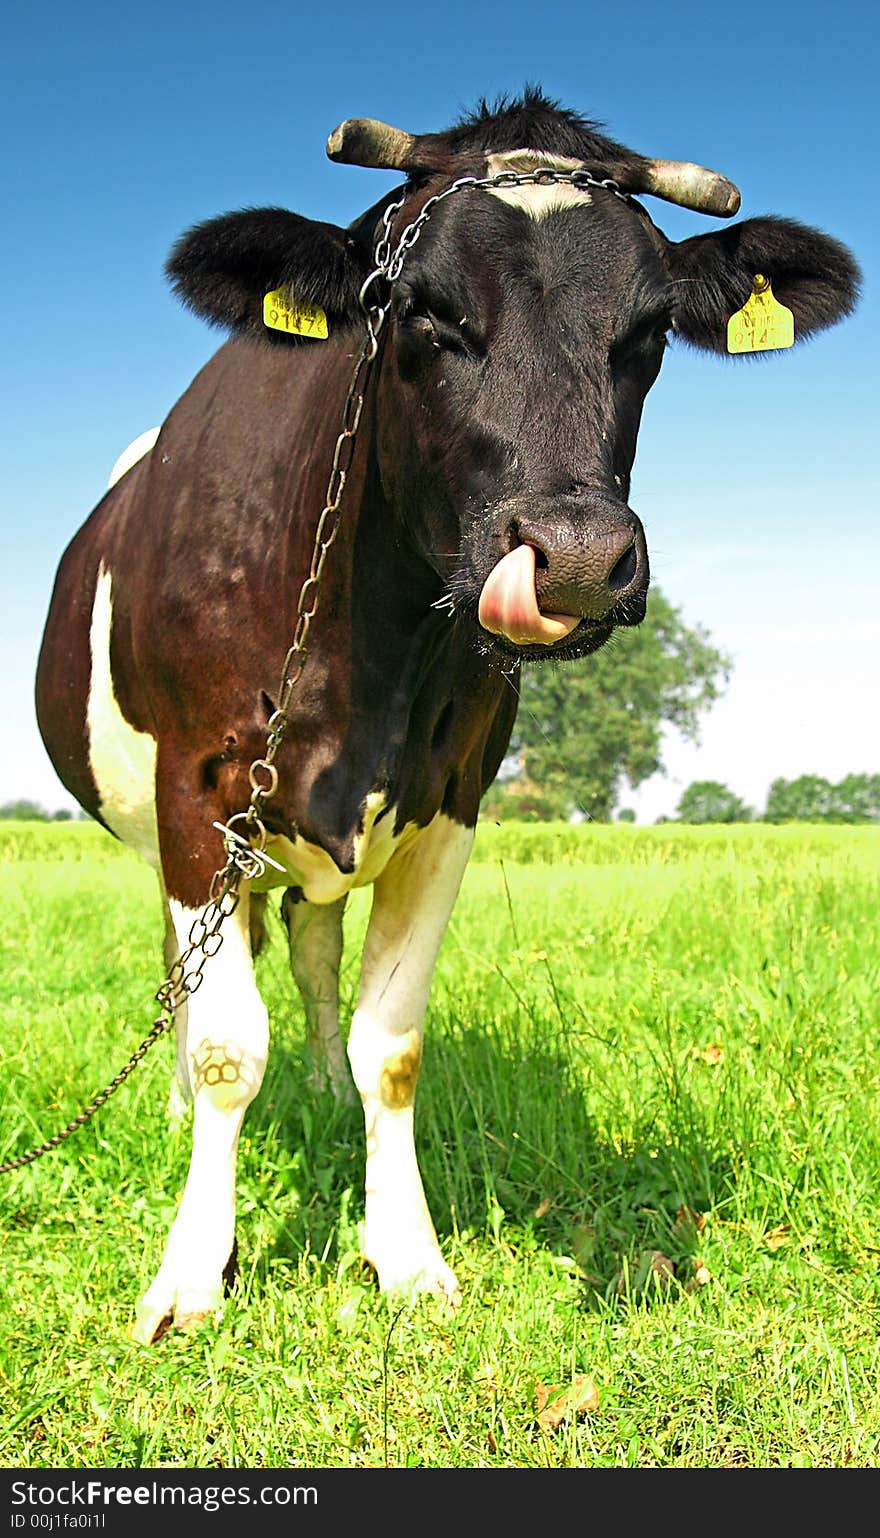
(64, 670)
(174, 602)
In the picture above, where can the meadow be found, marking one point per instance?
(648, 1129)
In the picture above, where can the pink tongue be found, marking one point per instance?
(509, 605)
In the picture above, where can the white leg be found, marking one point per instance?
(412, 902)
(180, 1092)
(315, 934)
(227, 1046)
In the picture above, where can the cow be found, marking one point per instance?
(484, 523)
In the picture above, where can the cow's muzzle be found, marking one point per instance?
(561, 571)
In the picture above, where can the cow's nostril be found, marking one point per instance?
(541, 561)
(623, 571)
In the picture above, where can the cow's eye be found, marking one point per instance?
(423, 327)
(645, 339)
(418, 326)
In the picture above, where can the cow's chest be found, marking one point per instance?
(310, 867)
(123, 764)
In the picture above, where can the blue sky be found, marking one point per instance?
(757, 482)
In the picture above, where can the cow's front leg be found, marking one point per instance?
(227, 1038)
(180, 1094)
(412, 901)
(315, 934)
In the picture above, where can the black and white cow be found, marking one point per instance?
(486, 522)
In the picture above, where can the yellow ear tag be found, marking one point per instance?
(762, 323)
(280, 314)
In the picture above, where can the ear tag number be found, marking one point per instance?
(762, 323)
(281, 314)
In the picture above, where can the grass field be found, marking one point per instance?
(648, 1127)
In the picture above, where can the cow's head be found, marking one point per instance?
(524, 331)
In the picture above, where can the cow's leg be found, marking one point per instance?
(180, 1094)
(412, 901)
(315, 934)
(227, 1037)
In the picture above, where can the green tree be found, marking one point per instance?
(23, 811)
(710, 801)
(858, 798)
(583, 726)
(812, 799)
(809, 798)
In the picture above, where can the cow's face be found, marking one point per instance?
(523, 334)
(527, 327)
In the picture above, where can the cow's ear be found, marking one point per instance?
(223, 268)
(713, 275)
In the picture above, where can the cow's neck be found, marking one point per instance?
(394, 697)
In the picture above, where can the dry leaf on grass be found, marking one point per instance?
(699, 1276)
(649, 1263)
(711, 1054)
(655, 1263)
(688, 1223)
(580, 1398)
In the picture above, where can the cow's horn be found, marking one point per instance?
(364, 141)
(679, 181)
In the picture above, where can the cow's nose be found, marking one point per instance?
(589, 566)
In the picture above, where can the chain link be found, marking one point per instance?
(159, 1028)
(246, 857)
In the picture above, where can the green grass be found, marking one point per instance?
(639, 1041)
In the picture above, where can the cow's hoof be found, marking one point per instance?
(429, 1276)
(159, 1311)
(150, 1324)
(189, 1320)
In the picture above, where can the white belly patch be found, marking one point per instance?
(123, 761)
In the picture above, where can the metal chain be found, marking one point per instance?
(544, 176)
(159, 1027)
(246, 855)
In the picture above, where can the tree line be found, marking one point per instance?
(24, 810)
(808, 798)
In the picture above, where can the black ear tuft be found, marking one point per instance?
(223, 267)
(813, 275)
